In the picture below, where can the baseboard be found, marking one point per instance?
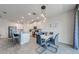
(4, 38)
(66, 44)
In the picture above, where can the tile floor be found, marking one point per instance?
(7, 47)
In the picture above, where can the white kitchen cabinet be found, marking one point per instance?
(24, 37)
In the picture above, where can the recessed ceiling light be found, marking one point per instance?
(34, 13)
(4, 12)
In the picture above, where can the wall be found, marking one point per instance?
(4, 28)
(66, 27)
(4, 23)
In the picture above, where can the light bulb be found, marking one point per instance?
(37, 17)
(32, 19)
(45, 18)
(29, 14)
(42, 15)
(22, 17)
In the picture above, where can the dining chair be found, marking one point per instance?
(53, 42)
(15, 38)
(45, 44)
(41, 43)
(51, 33)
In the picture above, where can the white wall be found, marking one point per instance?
(4, 28)
(66, 27)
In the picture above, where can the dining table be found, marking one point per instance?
(46, 37)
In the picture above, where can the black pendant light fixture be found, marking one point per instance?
(43, 12)
(43, 7)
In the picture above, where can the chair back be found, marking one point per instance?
(56, 38)
(38, 39)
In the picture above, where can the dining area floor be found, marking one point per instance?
(7, 47)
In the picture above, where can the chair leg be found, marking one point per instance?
(56, 49)
(41, 51)
(53, 51)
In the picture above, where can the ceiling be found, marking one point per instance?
(15, 12)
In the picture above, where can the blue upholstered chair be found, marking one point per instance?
(53, 42)
(41, 42)
(15, 37)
